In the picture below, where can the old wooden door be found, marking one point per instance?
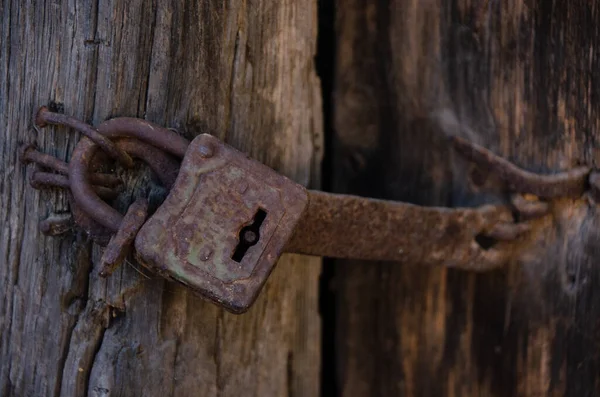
(519, 77)
(516, 76)
(242, 71)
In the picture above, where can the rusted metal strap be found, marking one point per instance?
(344, 226)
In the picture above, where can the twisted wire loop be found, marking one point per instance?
(122, 139)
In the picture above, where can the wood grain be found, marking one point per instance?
(518, 77)
(242, 71)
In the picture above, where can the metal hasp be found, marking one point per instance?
(344, 226)
(227, 218)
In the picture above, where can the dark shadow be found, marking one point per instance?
(325, 65)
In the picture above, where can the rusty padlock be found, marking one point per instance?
(228, 218)
(224, 224)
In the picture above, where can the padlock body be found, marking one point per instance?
(223, 226)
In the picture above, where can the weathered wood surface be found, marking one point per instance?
(522, 77)
(242, 71)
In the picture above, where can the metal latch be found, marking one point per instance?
(227, 218)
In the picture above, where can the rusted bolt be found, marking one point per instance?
(41, 179)
(56, 224)
(29, 154)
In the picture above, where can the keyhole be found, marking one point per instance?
(249, 235)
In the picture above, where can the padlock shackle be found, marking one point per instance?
(160, 137)
(163, 165)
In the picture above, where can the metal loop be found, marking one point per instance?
(163, 138)
(165, 167)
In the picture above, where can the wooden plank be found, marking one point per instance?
(242, 71)
(518, 77)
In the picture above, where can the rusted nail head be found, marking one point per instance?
(205, 151)
(205, 254)
(40, 117)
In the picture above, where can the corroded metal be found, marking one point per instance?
(344, 226)
(572, 183)
(120, 244)
(56, 224)
(227, 218)
(44, 117)
(529, 207)
(221, 194)
(98, 233)
(163, 165)
(40, 179)
(29, 154)
(153, 134)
